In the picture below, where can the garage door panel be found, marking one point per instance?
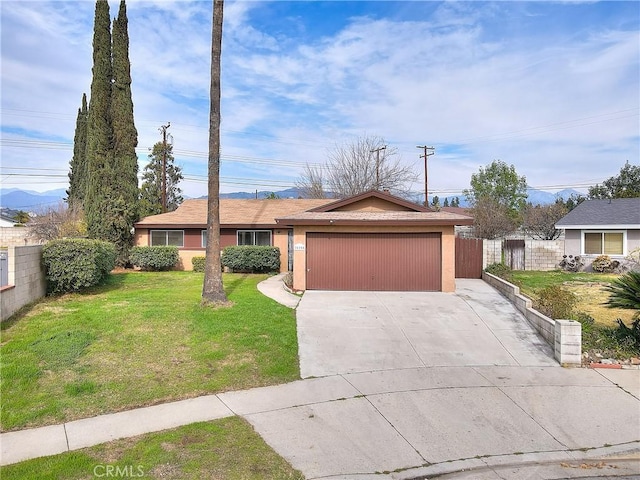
(374, 261)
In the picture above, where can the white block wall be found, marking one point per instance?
(27, 281)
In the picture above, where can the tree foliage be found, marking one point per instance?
(355, 167)
(151, 189)
(502, 184)
(492, 219)
(21, 217)
(78, 164)
(625, 185)
(212, 287)
(110, 202)
(539, 220)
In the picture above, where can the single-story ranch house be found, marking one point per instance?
(602, 227)
(372, 241)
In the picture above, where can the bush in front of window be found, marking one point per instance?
(74, 264)
(154, 258)
(198, 264)
(248, 258)
(604, 264)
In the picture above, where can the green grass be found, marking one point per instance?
(141, 339)
(599, 323)
(223, 449)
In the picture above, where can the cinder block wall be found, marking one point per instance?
(16, 237)
(27, 281)
(542, 255)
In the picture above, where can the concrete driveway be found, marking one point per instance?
(350, 332)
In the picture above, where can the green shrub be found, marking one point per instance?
(74, 264)
(248, 258)
(154, 258)
(198, 264)
(499, 270)
(604, 264)
(556, 302)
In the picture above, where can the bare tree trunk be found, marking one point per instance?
(212, 288)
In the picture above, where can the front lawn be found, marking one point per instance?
(139, 340)
(228, 448)
(601, 337)
(589, 289)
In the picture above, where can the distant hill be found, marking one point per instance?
(30, 201)
(288, 193)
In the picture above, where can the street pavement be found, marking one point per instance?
(499, 407)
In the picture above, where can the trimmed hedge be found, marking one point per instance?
(247, 258)
(154, 258)
(77, 263)
(198, 264)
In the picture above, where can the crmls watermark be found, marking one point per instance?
(117, 471)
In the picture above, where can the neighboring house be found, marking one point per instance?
(373, 241)
(6, 221)
(602, 227)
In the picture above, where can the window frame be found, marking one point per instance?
(238, 232)
(166, 231)
(203, 238)
(602, 233)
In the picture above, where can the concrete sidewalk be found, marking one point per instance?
(273, 287)
(412, 422)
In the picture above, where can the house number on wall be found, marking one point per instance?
(298, 246)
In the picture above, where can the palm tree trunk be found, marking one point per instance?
(212, 288)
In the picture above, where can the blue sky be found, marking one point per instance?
(552, 88)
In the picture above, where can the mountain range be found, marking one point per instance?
(31, 201)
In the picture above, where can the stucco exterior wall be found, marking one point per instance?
(27, 282)
(448, 249)
(572, 242)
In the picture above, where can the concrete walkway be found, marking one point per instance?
(481, 422)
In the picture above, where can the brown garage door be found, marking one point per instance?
(374, 261)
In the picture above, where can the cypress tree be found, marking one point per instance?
(125, 135)
(78, 164)
(99, 131)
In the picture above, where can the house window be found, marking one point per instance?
(167, 237)
(604, 243)
(203, 237)
(254, 237)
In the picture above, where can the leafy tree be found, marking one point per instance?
(492, 219)
(212, 287)
(21, 217)
(446, 202)
(435, 202)
(539, 221)
(78, 164)
(455, 202)
(271, 196)
(625, 185)
(573, 201)
(356, 167)
(151, 190)
(501, 183)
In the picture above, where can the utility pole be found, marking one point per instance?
(163, 129)
(428, 151)
(377, 151)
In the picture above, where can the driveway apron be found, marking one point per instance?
(348, 332)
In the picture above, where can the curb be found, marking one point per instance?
(605, 365)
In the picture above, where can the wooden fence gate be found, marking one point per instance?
(468, 257)
(513, 252)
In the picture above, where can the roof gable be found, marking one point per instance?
(371, 201)
(616, 212)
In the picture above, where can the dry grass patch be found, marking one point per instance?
(591, 300)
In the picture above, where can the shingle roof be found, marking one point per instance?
(617, 212)
(193, 212)
(380, 218)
